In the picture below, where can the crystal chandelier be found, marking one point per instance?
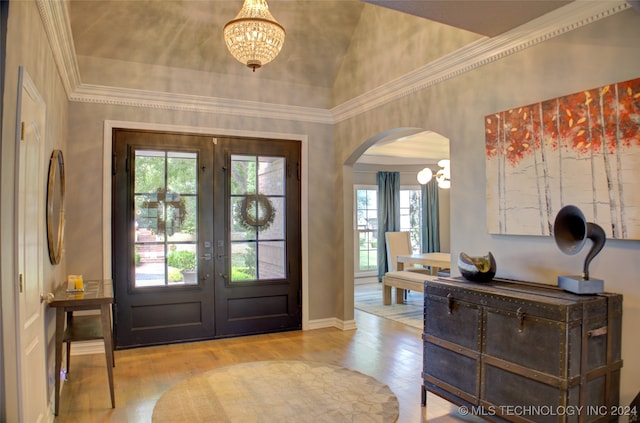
(254, 37)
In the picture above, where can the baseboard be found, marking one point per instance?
(347, 325)
(331, 322)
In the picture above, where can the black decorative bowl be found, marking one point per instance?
(477, 269)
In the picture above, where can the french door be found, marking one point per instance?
(258, 265)
(205, 237)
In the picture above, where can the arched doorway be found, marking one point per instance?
(403, 150)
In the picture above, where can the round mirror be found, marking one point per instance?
(55, 206)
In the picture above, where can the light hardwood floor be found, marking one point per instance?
(389, 351)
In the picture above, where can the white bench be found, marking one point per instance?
(402, 280)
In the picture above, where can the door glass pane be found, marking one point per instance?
(257, 210)
(166, 210)
(271, 179)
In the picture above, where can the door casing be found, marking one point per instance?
(109, 125)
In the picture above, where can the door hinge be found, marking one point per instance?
(299, 172)
(21, 131)
(21, 283)
(114, 164)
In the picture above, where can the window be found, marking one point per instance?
(366, 223)
(410, 217)
(366, 230)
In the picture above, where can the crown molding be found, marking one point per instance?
(577, 14)
(482, 52)
(55, 18)
(87, 93)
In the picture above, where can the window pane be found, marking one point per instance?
(410, 216)
(243, 261)
(271, 260)
(166, 218)
(368, 251)
(239, 231)
(243, 174)
(182, 264)
(277, 228)
(149, 171)
(367, 227)
(258, 210)
(182, 170)
(271, 175)
(182, 223)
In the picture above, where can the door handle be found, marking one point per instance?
(206, 256)
(46, 298)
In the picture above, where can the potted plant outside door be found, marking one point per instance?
(185, 261)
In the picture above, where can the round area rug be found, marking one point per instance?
(278, 391)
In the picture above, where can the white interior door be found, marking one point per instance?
(31, 254)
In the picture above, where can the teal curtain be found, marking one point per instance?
(388, 214)
(430, 219)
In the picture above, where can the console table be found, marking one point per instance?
(510, 350)
(97, 295)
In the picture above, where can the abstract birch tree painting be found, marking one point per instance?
(582, 149)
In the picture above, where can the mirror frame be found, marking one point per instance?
(55, 206)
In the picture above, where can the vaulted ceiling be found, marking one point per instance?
(187, 35)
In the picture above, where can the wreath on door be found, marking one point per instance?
(255, 212)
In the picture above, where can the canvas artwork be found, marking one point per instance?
(581, 149)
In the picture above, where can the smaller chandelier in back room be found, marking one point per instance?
(254, 37)
(443, 176)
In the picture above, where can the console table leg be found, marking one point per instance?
(108, 347)
(59, 335)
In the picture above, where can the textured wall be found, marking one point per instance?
(246, 87)
(28, 46)
(387, 45)
(603, 52)
(85, 172)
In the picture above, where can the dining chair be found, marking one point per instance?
(399, 244)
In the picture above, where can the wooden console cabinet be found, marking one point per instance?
(523, 352)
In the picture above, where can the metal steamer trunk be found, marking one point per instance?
(522, 352)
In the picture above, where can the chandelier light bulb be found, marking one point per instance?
(443, 176)
(424, 176)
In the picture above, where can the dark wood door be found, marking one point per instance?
(206, 237)
(162, 237)
(258, 242)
